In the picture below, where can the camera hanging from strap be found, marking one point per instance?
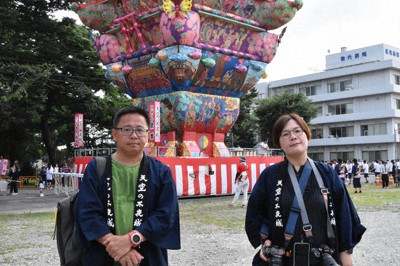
(298, 205)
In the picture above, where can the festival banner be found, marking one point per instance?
(205, 176)
(154, 115)
(3, 166)
(78, 130)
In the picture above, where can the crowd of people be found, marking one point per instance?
(352, 172)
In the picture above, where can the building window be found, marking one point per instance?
(317, 133)
(310, 90)
(397, 104)
(375, 155)
(345, 85)
(342, 155)
(280, 90)
(373, 129)
(397, 79)
(340, 109)
(318, 156)
(319, 110)
(341, 132)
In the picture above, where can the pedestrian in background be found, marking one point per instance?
(49, 176)
(42, 174)
(366, 171)
(385, 175)
(15, 174)
(356, 174)
(262, 148)
(241, 183)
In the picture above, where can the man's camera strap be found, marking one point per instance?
(299, 206)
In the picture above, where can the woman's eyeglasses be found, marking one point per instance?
(297, 131)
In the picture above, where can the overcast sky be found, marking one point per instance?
(323, 25)
(327, 25)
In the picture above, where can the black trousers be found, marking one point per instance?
(385, 180)
(13, 186)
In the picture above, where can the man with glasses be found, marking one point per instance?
(130, 214)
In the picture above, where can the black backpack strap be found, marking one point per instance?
(100, 165)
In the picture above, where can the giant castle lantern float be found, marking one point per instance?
(187, 62)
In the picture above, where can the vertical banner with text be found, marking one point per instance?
(79, 130)
(154, 115)
(3, 166)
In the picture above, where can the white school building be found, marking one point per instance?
(358, 98)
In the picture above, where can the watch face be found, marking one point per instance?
(136, 239)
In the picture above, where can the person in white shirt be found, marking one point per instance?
(262, 148)
(390, 167)
(366, 171)
(349, 166)
(385, 175)
(49, 175)
(378, 170)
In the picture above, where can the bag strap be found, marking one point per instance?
(324, 192)
(100, 165)
(298, 203)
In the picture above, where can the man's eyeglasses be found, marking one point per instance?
(128, 131)
(297, 131)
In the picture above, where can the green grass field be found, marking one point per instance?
(374, 198)
(214, 210)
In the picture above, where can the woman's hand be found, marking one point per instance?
(346, 259)
(267, 243)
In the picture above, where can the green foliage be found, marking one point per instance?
(269, 110)
(244, 130)
(49, 70)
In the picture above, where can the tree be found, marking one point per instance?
(49, 70)
(244, 130)
(269, 110)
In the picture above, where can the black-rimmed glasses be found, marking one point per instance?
(128, 131)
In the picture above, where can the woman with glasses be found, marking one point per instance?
(327, 230)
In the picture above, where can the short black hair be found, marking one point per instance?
(130, 110)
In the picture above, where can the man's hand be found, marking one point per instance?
(117, 246)
(132, 258)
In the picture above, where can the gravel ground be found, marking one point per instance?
(206, 239)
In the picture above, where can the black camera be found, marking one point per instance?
(275, 254)
(324, 255)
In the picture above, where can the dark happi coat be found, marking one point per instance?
(161, 227)
(262, 206)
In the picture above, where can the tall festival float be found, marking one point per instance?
(188, 62)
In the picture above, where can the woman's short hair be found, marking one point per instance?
(281, 123)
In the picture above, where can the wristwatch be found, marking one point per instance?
(135, 238)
